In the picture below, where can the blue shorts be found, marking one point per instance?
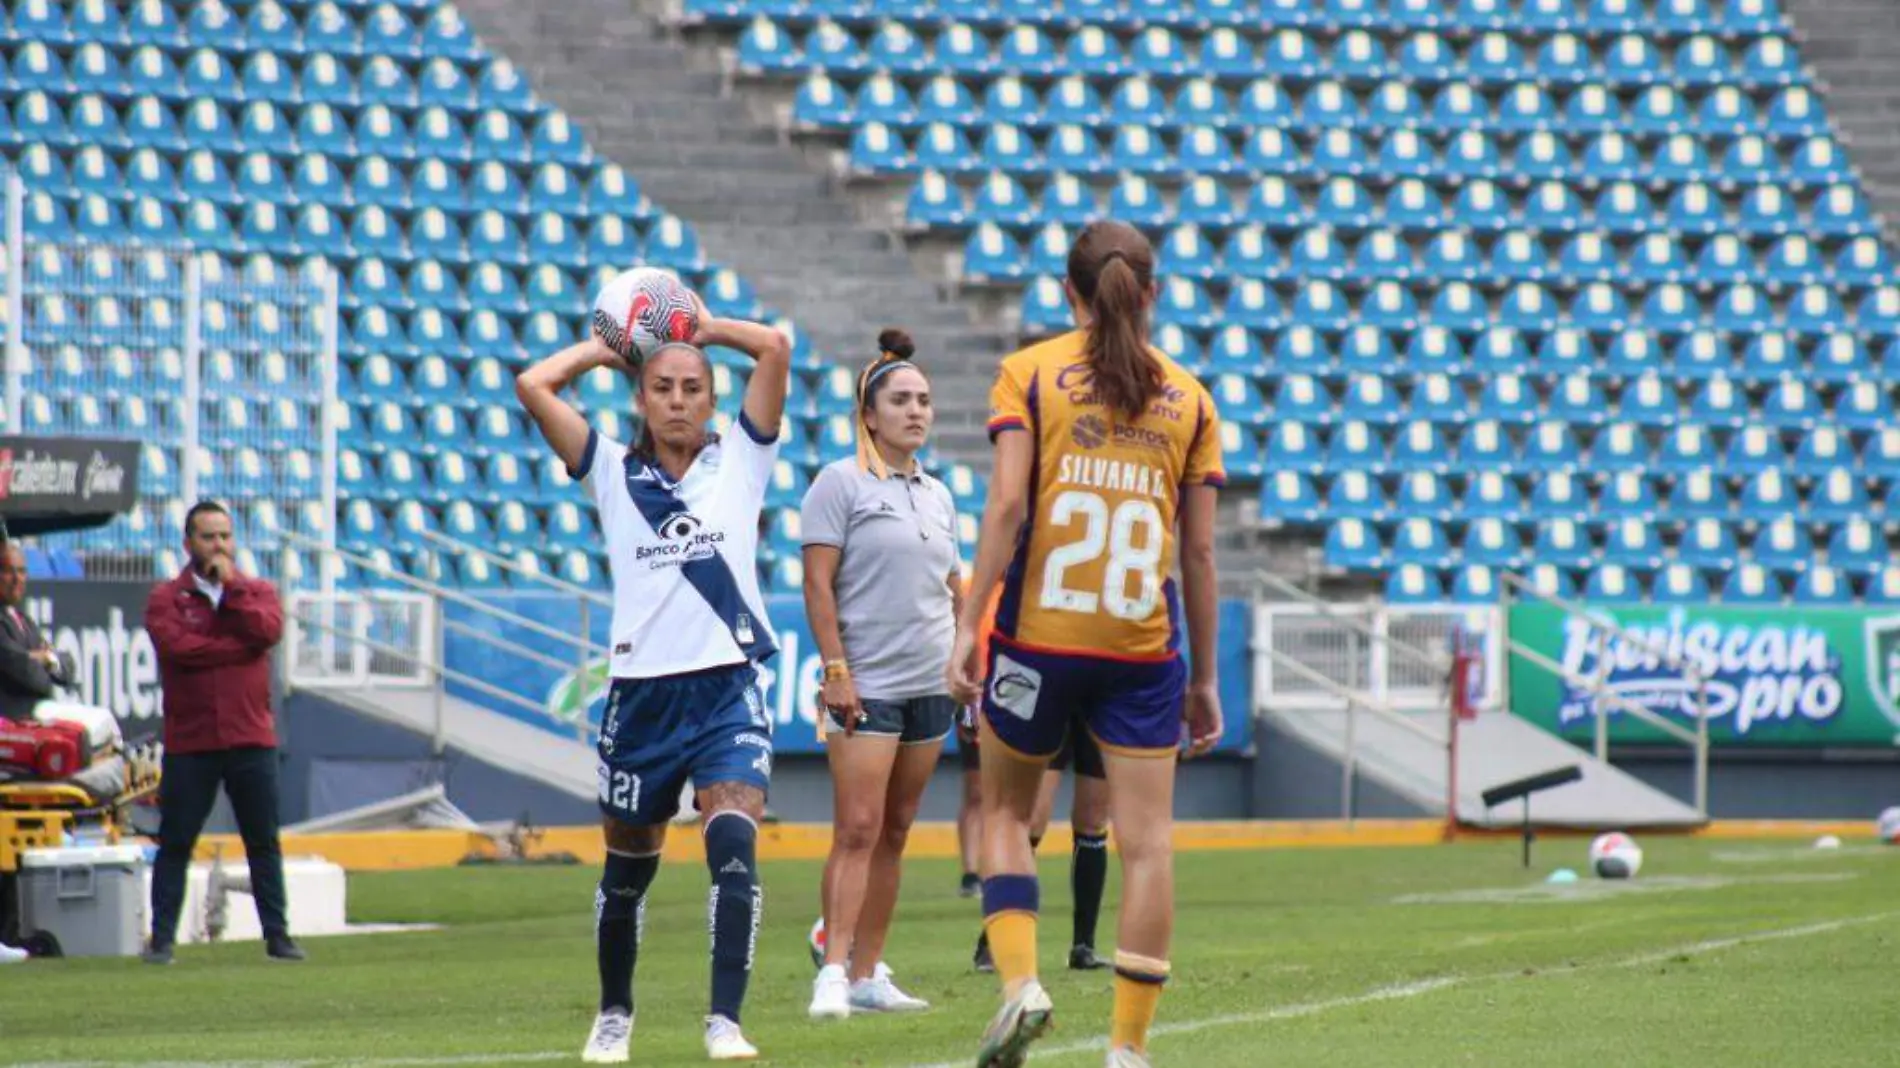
(708, 726)
(1130, 707)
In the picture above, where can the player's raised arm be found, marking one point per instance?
(539, 390)
(771, 354)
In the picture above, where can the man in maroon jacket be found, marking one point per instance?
(214, 629)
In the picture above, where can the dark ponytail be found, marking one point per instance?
(1111, 269)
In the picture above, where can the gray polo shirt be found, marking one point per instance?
(898, 540)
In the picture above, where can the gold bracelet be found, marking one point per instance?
(837, 671)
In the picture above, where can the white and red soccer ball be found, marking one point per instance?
(1615, 856)
(642, 309)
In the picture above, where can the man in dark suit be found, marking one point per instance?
(30, 670)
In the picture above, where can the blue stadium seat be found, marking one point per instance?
(1413, 584)
(1353, 545)
(1288, 497)
(1822, 585)
(1492, 543)
(991, 255)
(1783, 546)
(1356, 494)
(1423, 448)
(1838, 497)
(1752, 584)
(1293, 446)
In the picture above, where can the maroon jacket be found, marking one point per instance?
(214, 663)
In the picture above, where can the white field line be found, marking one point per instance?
(1406, 991)
(1395, 992)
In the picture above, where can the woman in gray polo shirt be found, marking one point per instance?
(882, 589)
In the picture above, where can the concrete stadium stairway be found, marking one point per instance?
(1853, 48)
(655, 104)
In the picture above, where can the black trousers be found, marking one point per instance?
(189, 790)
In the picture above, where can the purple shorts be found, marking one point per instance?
(1131, 707)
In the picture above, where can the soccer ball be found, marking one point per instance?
(638, 311)
(1889, 826)
(1615, 856)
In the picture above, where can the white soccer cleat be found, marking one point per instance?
(880, 994)
(1123, 1057)
(725, 1042)
(613, 1031)
(10, 955)
(830, 994)
(1022, 1020)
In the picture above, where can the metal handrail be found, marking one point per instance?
(513, 568)
(446, 594)
(1353, 696)
(512, 647)
(434, 667)
(1576, 608)
(1435, 661)
(1697, 738)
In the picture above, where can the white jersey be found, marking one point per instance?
(683, 554)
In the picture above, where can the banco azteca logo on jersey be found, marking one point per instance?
(683, 537)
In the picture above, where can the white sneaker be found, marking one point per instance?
(608, 1044)
(880, 994)
(10, 955)
(1022, 1020)
(830, 994)
(724, 1042)
(1123, 1057)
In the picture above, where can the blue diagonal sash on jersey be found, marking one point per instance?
(709, 575)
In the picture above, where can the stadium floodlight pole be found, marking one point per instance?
(194, 377)
(16, 299)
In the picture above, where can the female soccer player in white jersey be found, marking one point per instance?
(1105, 448)
(680, 513)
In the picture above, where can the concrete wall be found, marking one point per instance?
(1789, 784)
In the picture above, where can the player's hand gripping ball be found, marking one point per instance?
(640, 310)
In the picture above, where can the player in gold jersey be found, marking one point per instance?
(1104, 447)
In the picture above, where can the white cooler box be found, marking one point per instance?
(91, 900)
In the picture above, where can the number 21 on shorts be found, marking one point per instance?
(1131, 536)
(620, 789)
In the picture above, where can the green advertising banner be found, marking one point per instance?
(1777, 676)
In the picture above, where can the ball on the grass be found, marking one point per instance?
(1888, 826)
(1615, 856)
(1827, 841)
(640, 310)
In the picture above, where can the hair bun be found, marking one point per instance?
(896, 342)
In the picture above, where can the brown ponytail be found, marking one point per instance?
(1111, 270)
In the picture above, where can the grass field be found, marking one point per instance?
(1721, 953)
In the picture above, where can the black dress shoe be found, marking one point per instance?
(157, 953)
(1083, 959)
(280, 947)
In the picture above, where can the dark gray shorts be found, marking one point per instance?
(912, 722)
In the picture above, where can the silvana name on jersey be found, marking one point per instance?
(1119, 476)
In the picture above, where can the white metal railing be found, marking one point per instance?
(231, 368)
(346, 649)
(1603, 700)
(1311, 654)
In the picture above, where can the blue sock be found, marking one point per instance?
(620, 903)
(734, 907)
